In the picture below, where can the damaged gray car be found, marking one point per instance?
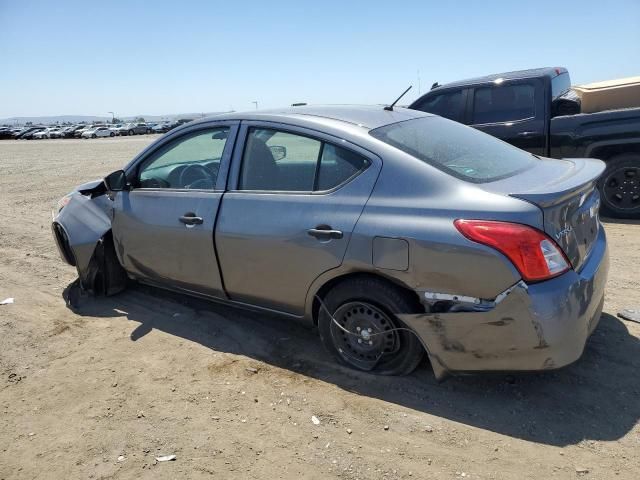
(396, 232)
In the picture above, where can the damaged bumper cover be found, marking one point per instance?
(527, 328)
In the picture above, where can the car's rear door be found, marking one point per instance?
(163, 225)
(294, 198)
(514, 111)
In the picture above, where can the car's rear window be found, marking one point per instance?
(461, 151)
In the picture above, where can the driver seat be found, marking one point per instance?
(259, 169)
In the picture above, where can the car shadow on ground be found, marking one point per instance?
(597, 398)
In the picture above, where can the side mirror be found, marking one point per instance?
(278, 151)
(116, 181)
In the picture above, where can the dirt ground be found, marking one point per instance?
(101, 392)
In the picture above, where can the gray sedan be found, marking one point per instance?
(397, 233)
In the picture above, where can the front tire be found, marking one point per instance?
(365, 306)
(130, 132)
(620, 187)
(112, 134)
(94, 136)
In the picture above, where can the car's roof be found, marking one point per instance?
(531, 73)
(365, 116)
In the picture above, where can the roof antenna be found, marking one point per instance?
(390, 107)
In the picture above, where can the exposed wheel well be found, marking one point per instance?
(322, 292)
(607, 151)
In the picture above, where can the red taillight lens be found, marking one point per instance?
(534, 254)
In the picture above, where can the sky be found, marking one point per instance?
(161, 57)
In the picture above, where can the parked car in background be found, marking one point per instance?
(44, 133)
(78, 133)
(532, 110)
(163, 127)
(55, 132)
(98, 132)
(28, 134)
(479, 254)
(116, 128)
(69, 132)
(134, 129)
(5, 134)
(150, 126)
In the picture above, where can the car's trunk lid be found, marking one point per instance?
(565, 191)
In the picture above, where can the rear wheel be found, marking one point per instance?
(620, 187)
(112, 134)
(362, 332)
(130, 132)
(93, 136)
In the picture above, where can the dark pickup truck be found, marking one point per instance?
(532, 110)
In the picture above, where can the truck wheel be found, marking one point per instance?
(365, 306)
(620, 187)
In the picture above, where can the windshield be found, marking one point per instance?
(461, 151)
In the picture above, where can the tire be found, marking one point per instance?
(112, 134)
(130, 132)
(94, 136)
(620, 187)
(370, 301)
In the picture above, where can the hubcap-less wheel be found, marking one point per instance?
(371, 336)
(622, 188)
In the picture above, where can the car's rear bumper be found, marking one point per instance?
(536, 327)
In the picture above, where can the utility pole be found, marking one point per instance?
(113, 116)
(255, 103)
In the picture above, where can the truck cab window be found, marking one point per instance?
(506, 103)
(448, 105)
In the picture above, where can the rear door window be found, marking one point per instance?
(449, 105)
(281, 161)
(503, 103)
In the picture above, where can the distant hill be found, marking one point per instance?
(48, 120)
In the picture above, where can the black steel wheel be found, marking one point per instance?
(620, 187)
(372, 336)
(362, 333)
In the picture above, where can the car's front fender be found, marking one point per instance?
(85, 221)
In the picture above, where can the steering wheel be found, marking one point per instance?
(197, 177)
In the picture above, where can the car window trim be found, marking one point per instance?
(322, 137)
(133, 169)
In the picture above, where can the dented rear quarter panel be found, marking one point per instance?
(543, 326)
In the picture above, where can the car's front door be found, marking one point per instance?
(294, 199)
(163, 225)
(512, 111)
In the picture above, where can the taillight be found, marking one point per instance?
(532, 252)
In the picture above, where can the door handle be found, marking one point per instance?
(527, 134)
(324, 232)
(190, 218)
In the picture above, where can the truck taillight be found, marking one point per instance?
(536, 256)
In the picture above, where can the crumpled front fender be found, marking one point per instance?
(85, 221)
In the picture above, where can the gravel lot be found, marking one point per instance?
(102, 392)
